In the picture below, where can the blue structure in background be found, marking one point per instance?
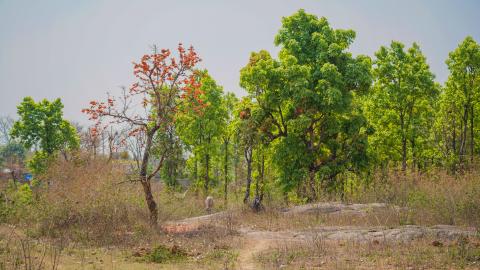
(27, 176)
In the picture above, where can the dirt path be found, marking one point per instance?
(252, 247)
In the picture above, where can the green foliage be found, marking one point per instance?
(201, 130)
(12, 153)
(305, 100)
(400, 107)
(39, 161)
(173, 164)
(15, 201)
(458, 112)
(24, 195)
(41, 126)
(162, 254)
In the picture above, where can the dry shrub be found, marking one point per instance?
(92, 201)
(430, 198)
(21, 252)
(88, 200)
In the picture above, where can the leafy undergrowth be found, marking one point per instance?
(163, 254)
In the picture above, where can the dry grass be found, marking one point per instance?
(420, 254)
(431, 198)
(207, 248)
(91, 202)
(274, 220)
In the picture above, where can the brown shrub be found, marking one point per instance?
(88, 200)
(430, 198)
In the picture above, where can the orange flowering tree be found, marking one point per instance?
(164, 81)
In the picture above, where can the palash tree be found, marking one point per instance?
(163, 83)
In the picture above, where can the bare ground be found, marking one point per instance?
(256, 241)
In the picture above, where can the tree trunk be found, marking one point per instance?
(404, 143)
(152, 206)
(257, 203)
(225, 192)
(248, 159)
(235, 164)
(414, 156)
(207, 177)
(195, 170)
(472, 135)
(454, 137)
(463, 143)
(404, 154)
(14, 177)
(312, 195)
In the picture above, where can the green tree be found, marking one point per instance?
(12, 153)
(229, 103)
(172, 168)
(305, 99)
(202, 129)
(400, 106)
(247, 133)
(462, 95)
(41, 126)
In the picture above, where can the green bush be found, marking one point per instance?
(162, 254)
(16, 202)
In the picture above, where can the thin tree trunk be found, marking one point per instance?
(248, 159)
(472, 135)
(404, 143)
(207, 177)
(225, 192)
(404, 154)
(414, 157)
(464, 134)
(14, 177)
(312, 196)
(195, 170)
(257, 203)
(235, 169)
(454, 137)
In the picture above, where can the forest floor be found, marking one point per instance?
(314, 236)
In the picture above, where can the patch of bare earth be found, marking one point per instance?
(280, 243)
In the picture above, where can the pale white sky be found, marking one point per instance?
(79, 50)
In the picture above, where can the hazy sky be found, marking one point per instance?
(78, 50)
